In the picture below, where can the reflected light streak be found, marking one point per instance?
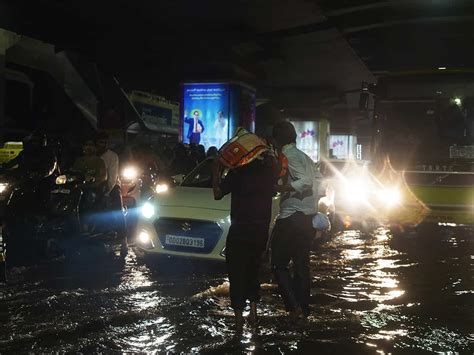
(388, 334)
(378, 297)
(383, 280)
(352, 254)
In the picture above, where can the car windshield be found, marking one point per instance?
(201, 176)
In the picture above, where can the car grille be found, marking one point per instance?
(188, 228)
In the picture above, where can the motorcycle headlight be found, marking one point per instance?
(61, 180)
(130, 173)
(160, 188)
(148, 210)
(3, 187)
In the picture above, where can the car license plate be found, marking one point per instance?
(184, 241)
(61, 191)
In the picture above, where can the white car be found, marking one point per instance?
(186, 221)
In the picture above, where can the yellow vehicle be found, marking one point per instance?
(9, 151)
(448, 195)
(424, 126)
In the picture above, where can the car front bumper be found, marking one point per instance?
(156, 244)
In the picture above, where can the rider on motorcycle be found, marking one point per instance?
(92, 166)
(36, 156)
(111, 161)
(24, 209)
(35, 165)
(113, 194)
(95, 172)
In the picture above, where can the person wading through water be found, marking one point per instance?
(251, 188)
(293, 232)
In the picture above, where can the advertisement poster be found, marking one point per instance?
(343, 146)
(307, 138)
(205, 114)
(155, 115)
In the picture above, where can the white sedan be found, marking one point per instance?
(186, 221)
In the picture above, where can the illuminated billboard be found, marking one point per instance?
(205, 114)
(211, 112)
(342, 146)
(312, 137)
(307, 138)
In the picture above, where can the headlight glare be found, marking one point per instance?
(356, 191)
(160, 188)
(148, 210)
(144, 237)
(3, 187)
(390, 196)
(130, 173)
(144, 240)
(61, 180)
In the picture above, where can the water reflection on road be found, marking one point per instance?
(370, 293)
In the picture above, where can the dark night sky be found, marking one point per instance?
(299, 48)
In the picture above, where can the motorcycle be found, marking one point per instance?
(7, 185)
(23, 202)
(136, 186)
(63, 217)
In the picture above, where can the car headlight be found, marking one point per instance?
(144, 239)
(3, 187)
(148, 210)
(61, 180)
(130, 173)
(390, 196)
(160, 188)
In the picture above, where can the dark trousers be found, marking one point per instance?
(195, 138)
(291, 241)
(244, 248)
(115, 205)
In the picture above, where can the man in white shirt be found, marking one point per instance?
(112, 188)
(293, 232)
(111, 161)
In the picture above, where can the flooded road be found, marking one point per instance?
(370, 294)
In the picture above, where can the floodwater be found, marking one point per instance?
(377, 293)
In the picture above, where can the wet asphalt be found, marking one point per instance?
(371, 293)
